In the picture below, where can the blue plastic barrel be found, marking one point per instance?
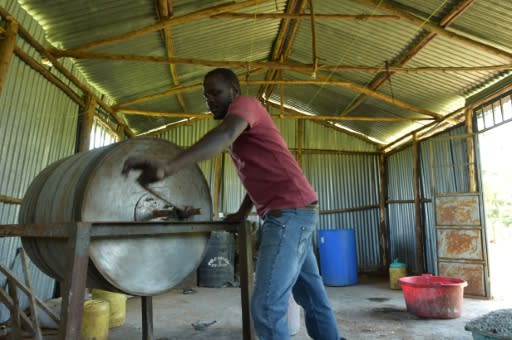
(338, 257)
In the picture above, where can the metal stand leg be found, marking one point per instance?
(74, 282)
(147, 317)
(246, 270)
(28, 282)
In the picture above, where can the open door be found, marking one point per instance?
(459, 217)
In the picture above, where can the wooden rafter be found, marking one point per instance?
(451, 119)
(165, 12)
(303, 16)
(277, 65)
(438, 29)
(282, 46)
(320, 81)
(296, 116)
(313, 37)
(170, 92)
(203, 13)
(327, 124)
(413, 50)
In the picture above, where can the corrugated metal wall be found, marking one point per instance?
(37, 127)
(446, 153)
(343, 180)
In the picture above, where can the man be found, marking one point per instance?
(282, 196)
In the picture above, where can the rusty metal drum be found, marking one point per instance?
(89, 187)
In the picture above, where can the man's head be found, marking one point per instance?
(220, 87)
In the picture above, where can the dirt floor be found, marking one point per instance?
(367, 310)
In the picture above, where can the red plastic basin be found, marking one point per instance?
(433, 297)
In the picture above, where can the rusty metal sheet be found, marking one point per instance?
(463, 244)
(458, 210)
(473, 273)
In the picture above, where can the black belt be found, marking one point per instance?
(279, 212)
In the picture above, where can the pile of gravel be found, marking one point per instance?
(495, 325)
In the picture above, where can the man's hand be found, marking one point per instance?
(152, 170)
(235, 217)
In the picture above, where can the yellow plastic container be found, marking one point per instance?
(95, 320)
(117, 303)
(396, 271)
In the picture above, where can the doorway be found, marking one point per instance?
(496, 176)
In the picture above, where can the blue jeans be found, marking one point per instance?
(286, 263)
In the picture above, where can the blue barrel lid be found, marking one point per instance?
(397, 264)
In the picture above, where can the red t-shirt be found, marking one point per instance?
(267, 169)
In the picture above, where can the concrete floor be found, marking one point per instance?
(368, 310)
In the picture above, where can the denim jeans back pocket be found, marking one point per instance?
(273, 230)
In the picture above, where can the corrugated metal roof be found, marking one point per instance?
(371, 43)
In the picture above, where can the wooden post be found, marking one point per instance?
(7, 49)
(471, 150)
(418, 224)
(246, 283)
(382, 211)
(86, 122)
(300, 141)
(217, 181)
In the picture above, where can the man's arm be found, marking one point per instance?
(243, 211)
(212, 143)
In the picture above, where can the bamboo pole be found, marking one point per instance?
(288, 66)
(165, 12)
(418, 224)
(285, 38)
(278, 116)
(49, 76)
(425, 131)
(7, 45)
(384, 229)
(301, 132)
(248, 65)
(203, 13)
(86, 123)
(217, 182)
(10, 200)
(313, 38)
(174, 90)
(345, 210)
(302, 16)
(335, 152)
(353, 87)
(471, 150)
(385, 5)
(322, 82)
